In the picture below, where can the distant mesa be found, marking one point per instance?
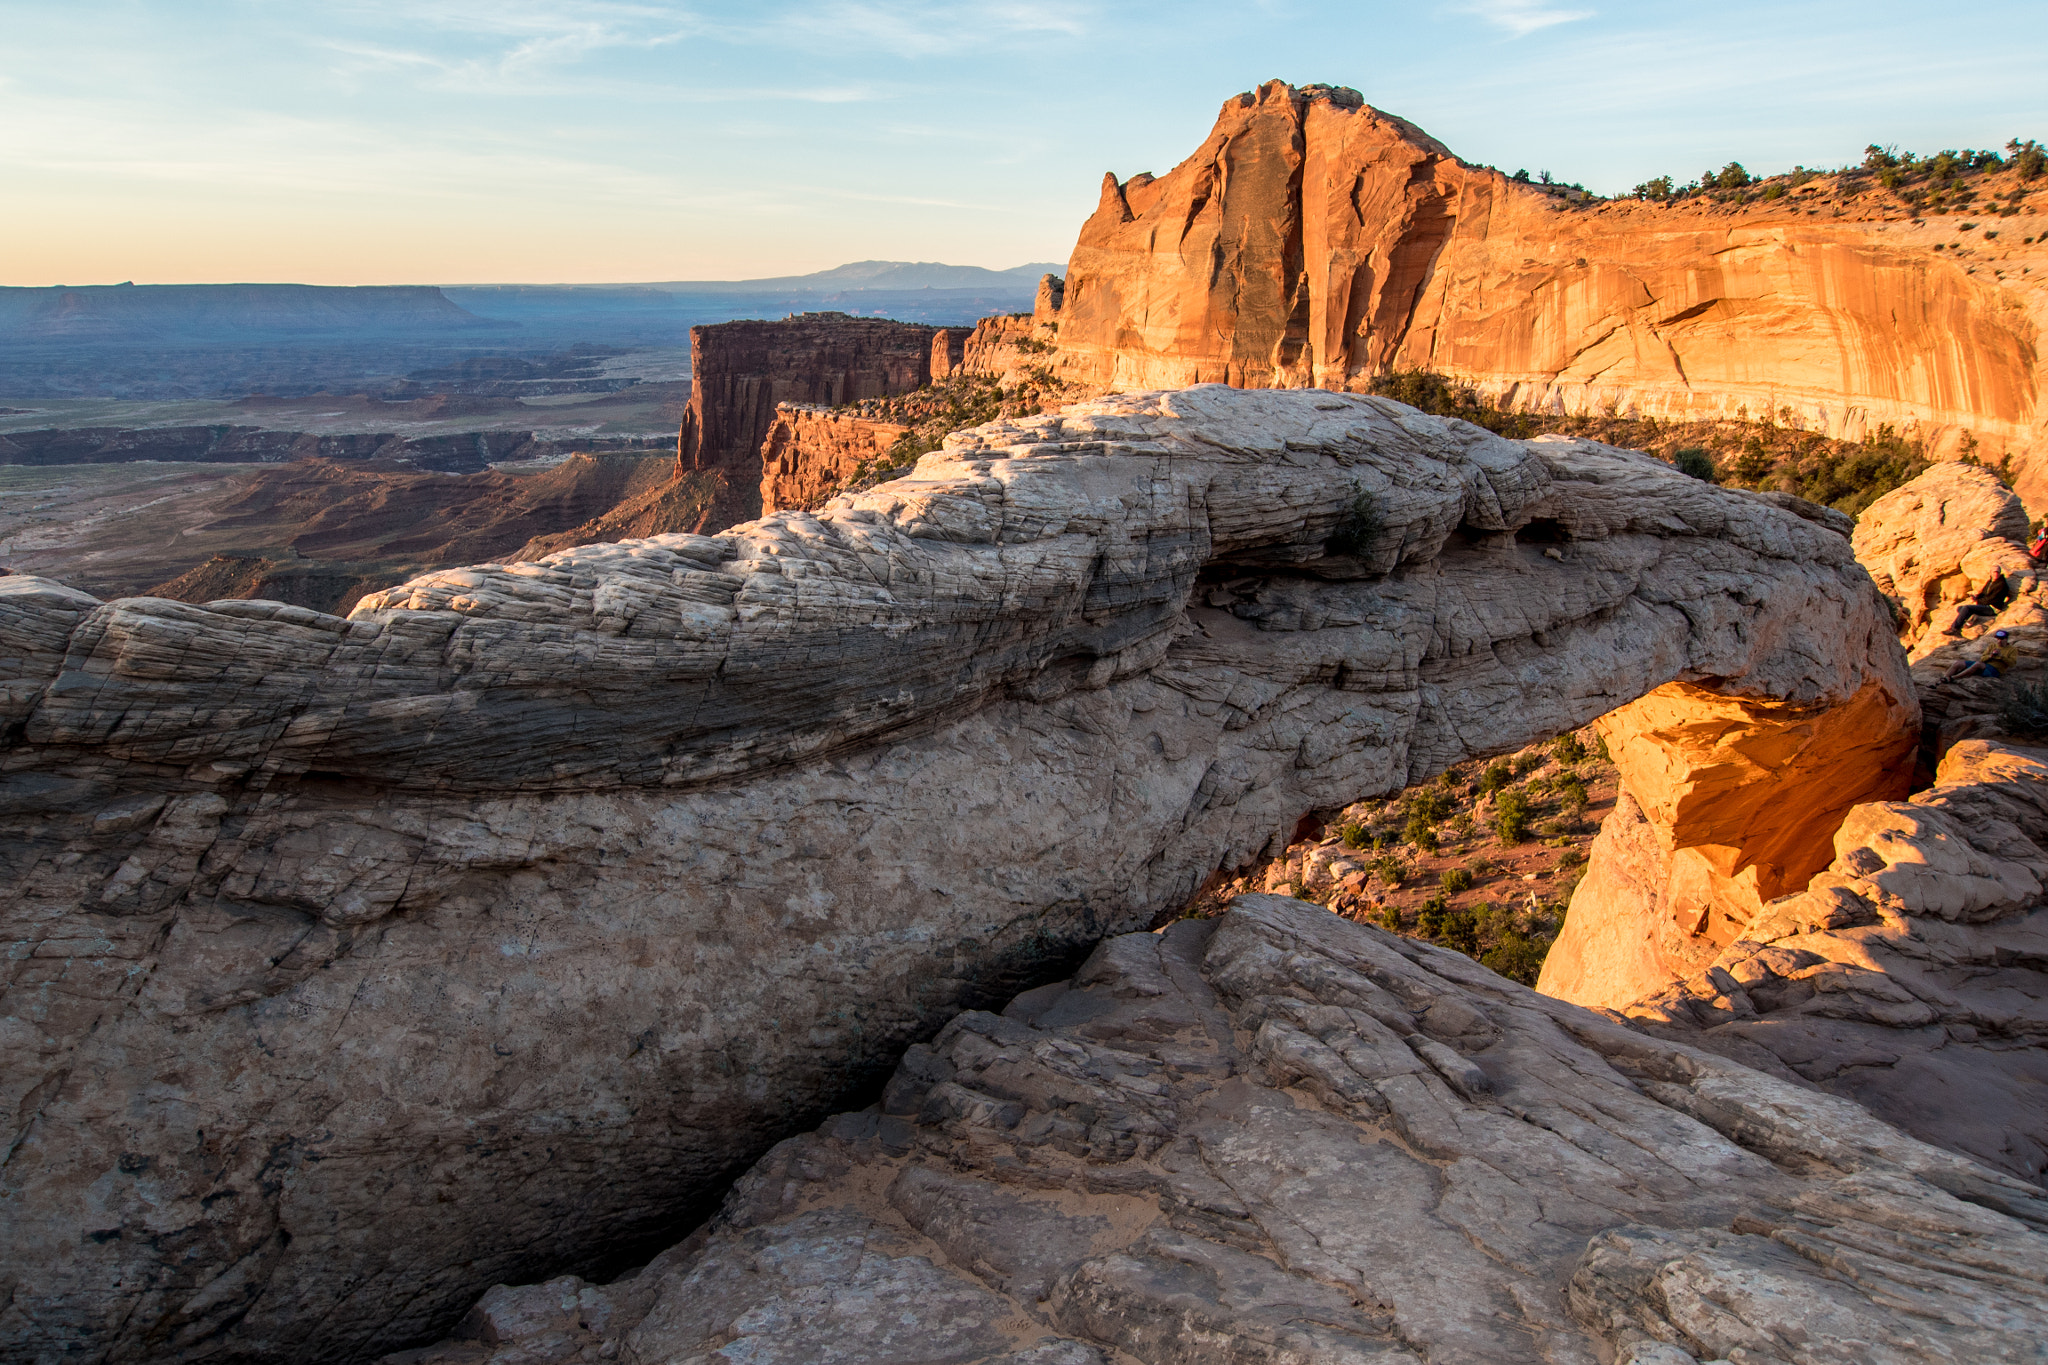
(120, 312)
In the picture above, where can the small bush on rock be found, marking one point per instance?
(1694, 461)
(2025, 711)
(1358, 529)
(1455, 879)
(1568, 748)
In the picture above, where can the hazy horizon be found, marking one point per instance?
(821, 274)
(463, 143)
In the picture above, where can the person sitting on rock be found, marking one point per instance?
(2039, 546)
(1994, 662)
(1991, 599)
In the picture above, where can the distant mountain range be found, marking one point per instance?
(855, 275)
(224, 340)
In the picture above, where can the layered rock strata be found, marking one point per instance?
(1312, 240)
(1278, 1137)
(810, 451)
(741, 371)
(361, 964)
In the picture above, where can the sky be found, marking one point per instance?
(474, 141)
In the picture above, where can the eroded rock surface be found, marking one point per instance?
(1933, 544)
(1282, 1137)
(1726, 804)
(357, 965)
(1912, 974)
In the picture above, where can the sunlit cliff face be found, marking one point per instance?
(1314, 240)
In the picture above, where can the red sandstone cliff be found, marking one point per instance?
(809, 452)
(1314, 240)
(740, 371)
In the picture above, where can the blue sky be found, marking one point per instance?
(450, 141)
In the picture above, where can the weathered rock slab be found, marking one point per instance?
(1282, 1137)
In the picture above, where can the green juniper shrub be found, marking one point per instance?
(1462, 827)
(1527, 763)
(1461, 932)
(1454, 879)
(1511, 816)
(1391, 869)
(1419, 832)
(1517, 957)
(1390, 918)
(1569, 748)
(1513, 948)
(1696, 461)
(1431, 805)
(1429, 921)
(1852, 478)
(1355, 835)
(1756, 462)
(2025, 711)
(1494, 778)
(1440, 396)
(1571, 791)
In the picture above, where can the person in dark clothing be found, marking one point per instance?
(1991, 599)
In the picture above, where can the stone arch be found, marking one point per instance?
(570, 886)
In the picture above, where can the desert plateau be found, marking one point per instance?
(1394, 761)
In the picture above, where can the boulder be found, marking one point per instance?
(477, 938)
(1931, 545)
(1279, 1136)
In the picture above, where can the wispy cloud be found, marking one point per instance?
(521, 40)
(1523, 17)
(930, 30)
